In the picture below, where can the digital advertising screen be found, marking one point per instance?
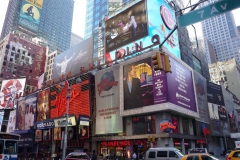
(126, 27)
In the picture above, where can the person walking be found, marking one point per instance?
(94, 155)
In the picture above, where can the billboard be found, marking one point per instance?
(9, 91)
(11, 121)
(30, 111)
(38, 135)
(79, 104)
(73, 59)
(201, 91)
(107, 101)
(126, 27)
(43, 110)
(142, 86)
(57, 134)
(83, 128)
(30, 14)
(60, 122)
(214, 94)
(161, 21)
(21, 115)
(213, 111)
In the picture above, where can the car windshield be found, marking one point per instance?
(179, 153)
(10, 147)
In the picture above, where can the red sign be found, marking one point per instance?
(201, 141)
(166, 125)
(116, 143)
(79, 102)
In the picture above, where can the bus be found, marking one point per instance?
(9, 146)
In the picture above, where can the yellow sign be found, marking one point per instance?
(36, 3)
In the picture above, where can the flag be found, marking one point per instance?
(231, 114)
(40, 81)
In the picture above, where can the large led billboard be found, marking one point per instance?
(126, 27)
(73, 59)
(30, 14)
(160, 21)
(143, 88)
(107, 101)
(30, 111)
(21, 115)
(79, 103)
(43, 109)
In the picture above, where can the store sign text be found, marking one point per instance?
(116, 143)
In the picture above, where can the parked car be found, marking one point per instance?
(78, 156)
(234, 155)
(163, 154)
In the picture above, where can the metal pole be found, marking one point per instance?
(225, 141)
(66, 124)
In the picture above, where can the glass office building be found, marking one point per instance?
(54, 27)
(221, 32)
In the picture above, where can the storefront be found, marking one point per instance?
(201, 143)
(123, 149)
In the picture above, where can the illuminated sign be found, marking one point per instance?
(62, 121)
(166, 126)
(117, 143)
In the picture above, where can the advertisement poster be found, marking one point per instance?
(225, 128)
(47, 135)
(9, 91)
(108, 100)
(11, 121)
(43, 111)
(30, 14)
(21, 115)
(83, 127)
(213, 111)
(57, 133)
(1, 119)
(214, 94)
(201, 89)
(222, 112)
(40, 81)
(128, 26)
(73, 59)
(62, 121)
(216, 127)
(232, 121)
(143, 86)
(30, 111)
(38, 135)
(161, 21)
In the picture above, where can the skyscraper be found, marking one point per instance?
(221, 31)
(49, 21)
(75, 39)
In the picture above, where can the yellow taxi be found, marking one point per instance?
(234, 155)
(199, 156)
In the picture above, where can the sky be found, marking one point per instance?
(78, 15)
(78, 25)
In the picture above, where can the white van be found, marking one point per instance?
(163, 154)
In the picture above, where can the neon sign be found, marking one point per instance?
(117, 143)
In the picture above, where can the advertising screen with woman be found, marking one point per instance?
(83, 132)
(21, 115)
(30, 111)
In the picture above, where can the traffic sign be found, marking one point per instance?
(207, 12)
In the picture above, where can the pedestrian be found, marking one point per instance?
(94, 155)
(134, 156)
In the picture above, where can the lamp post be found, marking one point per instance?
(66, 123)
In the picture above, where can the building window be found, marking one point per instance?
(197, 65)
(144, 124)
(185, 126)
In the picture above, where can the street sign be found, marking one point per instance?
(207, 12)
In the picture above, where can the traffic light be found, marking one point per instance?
(167, 65)
(149, 138)
(153, 139)
(157, 62)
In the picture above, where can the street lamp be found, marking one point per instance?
(66, 123)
